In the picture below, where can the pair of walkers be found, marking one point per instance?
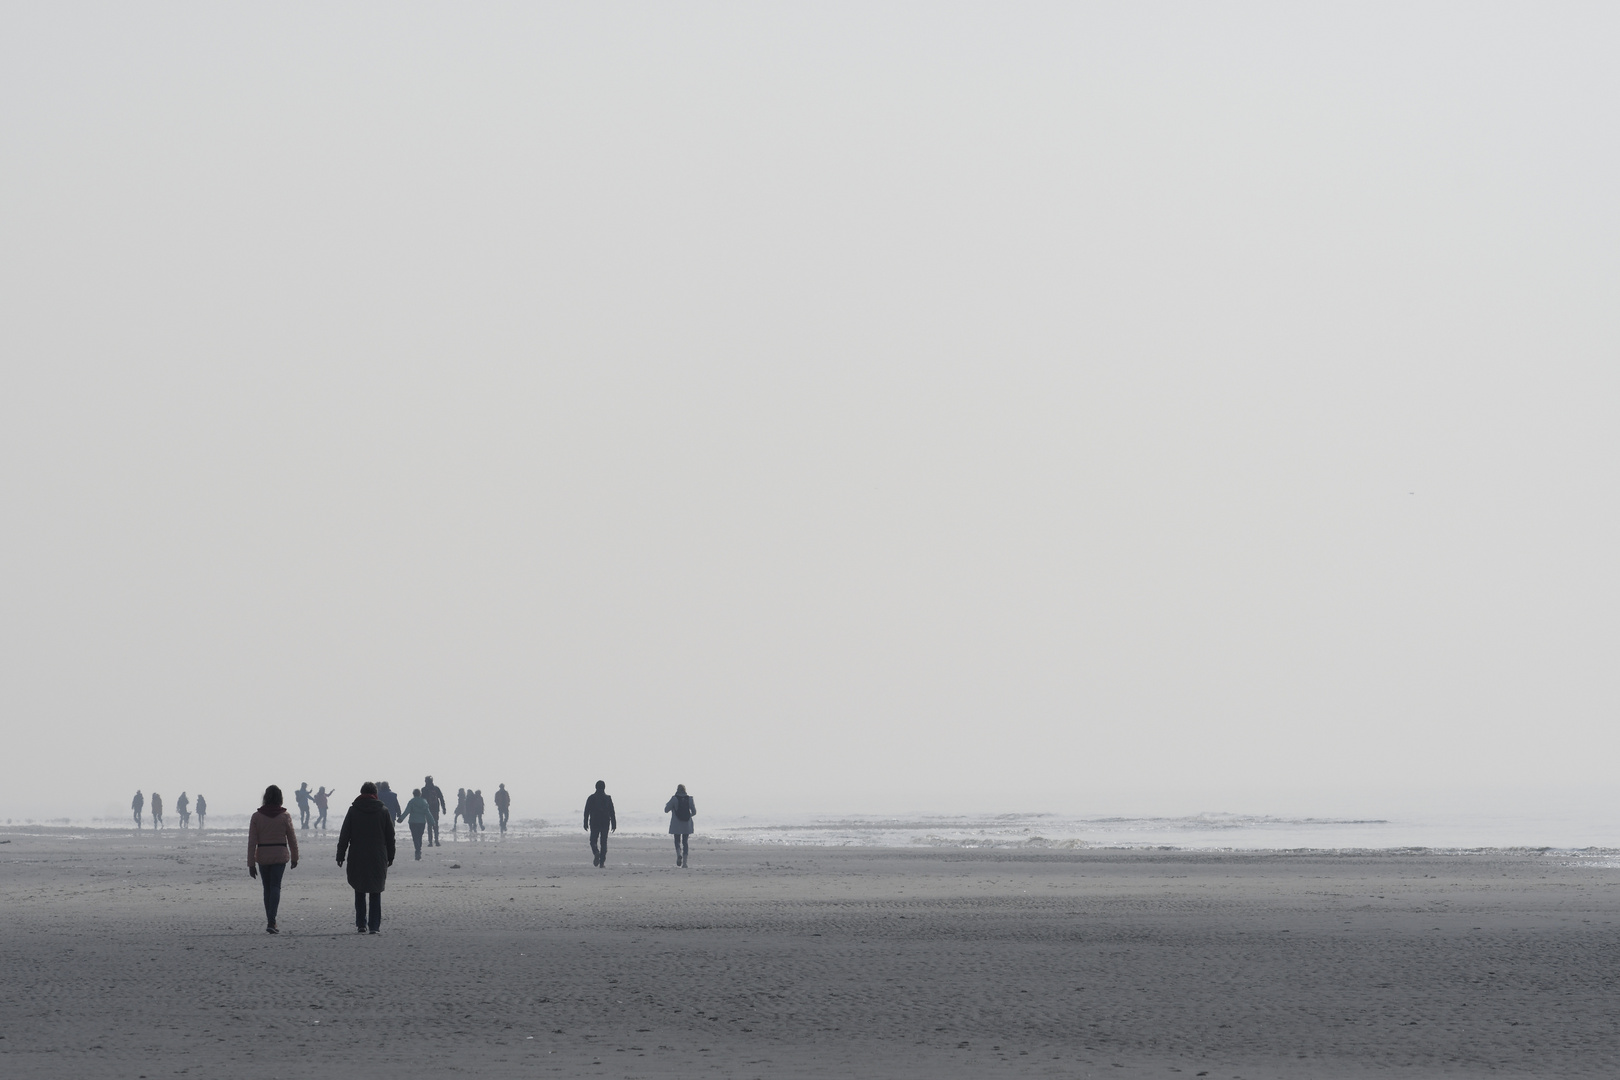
(366, 840)
(600, 820)
(157, 808)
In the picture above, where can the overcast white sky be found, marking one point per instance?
(1141, 407)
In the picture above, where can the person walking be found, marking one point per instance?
(301, 797)
(272, 847)
(416, 811)
(436, 806)
(461, 808)
(599, 821)
(202, 811)
(367, 839)
(319, 799)
(478, 808)
(182, 806)
(157, 811)
(680, 809)
(136, 804)
(503, 805)
(386, 796)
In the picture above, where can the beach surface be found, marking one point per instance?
(145, 956)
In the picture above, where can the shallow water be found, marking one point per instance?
(1560, 831)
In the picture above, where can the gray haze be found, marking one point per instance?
(857, 407)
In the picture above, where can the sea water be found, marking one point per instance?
(1567, 830)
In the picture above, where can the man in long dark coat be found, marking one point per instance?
(367, 838)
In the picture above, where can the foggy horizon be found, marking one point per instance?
(860, 409)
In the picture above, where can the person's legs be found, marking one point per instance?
(359, 910)
(433, 830)
(416, 837)
(685, 853)
(503, 822)
(270, 874)
(376, 912)
(677, 838)
(599, 845)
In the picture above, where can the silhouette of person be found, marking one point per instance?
(136, 804)
(367, 839)
(436, 806)
(478, 808)
(599, 821)
(417, 811)
(157, 811)
(461, 810)
(202, 811)
(182, 806)
(386, 796)
(272, 846)
(301, 797)
(503, 806)
(680, 809)
(319, 799)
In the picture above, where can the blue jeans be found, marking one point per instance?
(270, 874)
(360, 920)
(599, 855)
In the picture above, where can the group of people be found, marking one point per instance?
(366, 838)
(182, 806)
(469, 809)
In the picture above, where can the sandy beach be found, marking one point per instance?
(142, 956)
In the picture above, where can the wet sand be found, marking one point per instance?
(128, 956)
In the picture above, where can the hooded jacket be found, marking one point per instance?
(367, 839)
(435, 800)
(271, 838)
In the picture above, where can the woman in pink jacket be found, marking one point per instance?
(272, 846)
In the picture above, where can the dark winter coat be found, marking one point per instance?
(367, 838)
(435, 800)
(599, 811)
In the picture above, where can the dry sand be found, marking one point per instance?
(128, 956)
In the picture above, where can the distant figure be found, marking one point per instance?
(680, 809)
(386, 796)
(461, 809)
(436, 806)
(157, 811)
(599, 821)
(417, 811)
(503, 805)
(182, 806)
(202, 811)
(367, 838)
(301, 797)
(319, 799)
(478, 808)
(136, 804)
(272, 846)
